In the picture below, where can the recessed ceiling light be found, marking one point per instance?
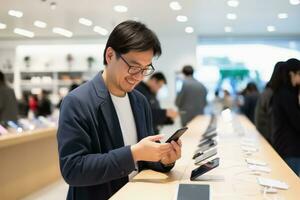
(228, 29)
(15, 13)
(282, 15)
(53, 5)
(100, 30)
(120, 8)
(295, 2)
(271, 28)
(174, 5)
(181, 18)
(62, 31)
(40, 24)
(189, 29)
(231, 16)
(2, 26)
(24, 32)
(233, 3)
(85, 21)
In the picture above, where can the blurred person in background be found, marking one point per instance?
(263, 106)
(23, 105)
(228, 101)
(33, 105)
(8, 101)
(251, 95)
(44, 104)
(72, 87)
(150, 89)
(285, 135)
(191, 100)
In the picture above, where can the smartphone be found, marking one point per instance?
(205, 155)
(210, 135)
(204, 148)
(205, 142)
(176, 135)
(204, 168)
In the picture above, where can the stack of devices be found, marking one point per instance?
(207, 148)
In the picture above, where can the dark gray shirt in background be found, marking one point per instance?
(8, 104)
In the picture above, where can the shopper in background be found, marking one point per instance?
(191, 100)
(8, 102)
(150, 89)
(105, 126)
(228, 101)
(44, 104)
(251, 95)
(33, 103)
(23, 105)
(263, 106)
(285, 136)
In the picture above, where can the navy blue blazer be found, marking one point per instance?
(93, 158)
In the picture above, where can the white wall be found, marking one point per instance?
(176, 52)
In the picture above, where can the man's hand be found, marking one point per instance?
(174, 154)
(171, 113)
(149, 150)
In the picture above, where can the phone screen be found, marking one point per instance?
(177, 135)
(204, 168)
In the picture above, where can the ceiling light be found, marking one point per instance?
(85, 22)
(53, 5)
(100, 30)
(15, 13)
(174, 5)
(271, 28)
(62, 31)
(120, 8)
(231, 16)
(233, 3)
(189, 29)
(181, 18)
(40, 24)
(24, 32)
(295, 2)
(282, 15)
(2, 26)
(228, 29)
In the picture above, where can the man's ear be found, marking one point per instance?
(109, 55)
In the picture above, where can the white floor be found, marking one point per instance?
(57, 191)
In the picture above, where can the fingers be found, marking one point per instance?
(177, 148)
(155, 138)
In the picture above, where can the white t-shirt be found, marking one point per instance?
(127, 123)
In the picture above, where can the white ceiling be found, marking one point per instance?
(208, 17)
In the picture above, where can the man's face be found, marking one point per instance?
(122, 81)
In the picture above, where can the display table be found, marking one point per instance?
(238, 181)
(29, 161)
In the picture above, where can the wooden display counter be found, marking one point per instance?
(238, 182)
(29, 161)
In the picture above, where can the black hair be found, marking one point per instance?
(159, 77)
(251, 87)
(2, 78)
(277, 76)
(188, 70)
(132, 35)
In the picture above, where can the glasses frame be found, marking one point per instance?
(140, 69)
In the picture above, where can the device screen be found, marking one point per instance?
(205, 168)
(177, 134)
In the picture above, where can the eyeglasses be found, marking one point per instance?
(135, 70)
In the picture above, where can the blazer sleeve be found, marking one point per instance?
(78, 165)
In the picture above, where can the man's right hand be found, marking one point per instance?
(149, 150)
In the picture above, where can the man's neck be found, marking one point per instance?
(109, 84)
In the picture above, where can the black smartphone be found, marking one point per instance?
(204, 168)
(210, 135)
(177, 134)
(204, 148)
(205, 141)
(205, 155)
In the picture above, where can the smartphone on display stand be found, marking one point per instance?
(204, 168)
(205, 155)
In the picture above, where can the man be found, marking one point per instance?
(150, 89)
(105, 125)
(191, 100)
(8, 102)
